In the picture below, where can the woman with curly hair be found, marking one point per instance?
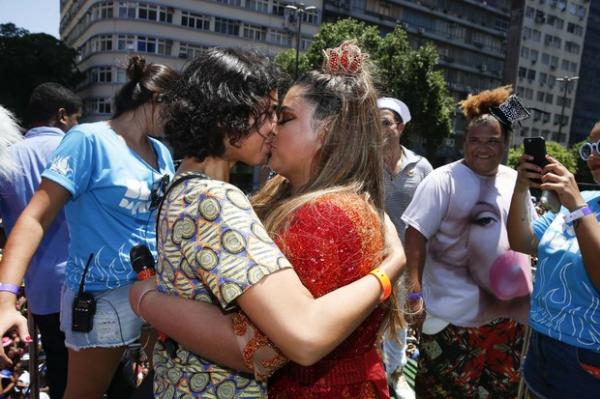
(324, 214)
(103, 174)
(461, 271)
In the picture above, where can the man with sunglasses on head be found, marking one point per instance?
(564, 353)
(404, 170)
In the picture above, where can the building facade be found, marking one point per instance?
(470, 35)
(546, 58)
(587, 102)
(170, 32)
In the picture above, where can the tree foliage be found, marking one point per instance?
(583, 175)
(28, 59)
(556, 150)
(401, 71)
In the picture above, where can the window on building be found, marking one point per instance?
(553, 62)
(549, 98)
(261, 6)
(540, 96)
(189, 50)
(545, 58)
(121, 75)
(533, 55)
(227, 26)
(531, 75)
(543, 78)
(280, 38)
(235, 3)
(98, 105)
(575, 29)
(310, 17)
(305, 44)
(165, 14)
(529, 12)
(572, 47)
(536, 35)
(102, 74)
(278, 8)
(522, 72)
(101, 43)
(525, 52)
(126, 42)
(165, 46)
(254, 32)
(195, 21)
(148, 11)
(127, 9)
(146, 44)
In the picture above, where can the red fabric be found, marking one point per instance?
(332, 243)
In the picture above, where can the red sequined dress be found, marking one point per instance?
(332, 242)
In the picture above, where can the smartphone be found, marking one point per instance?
(536, 147)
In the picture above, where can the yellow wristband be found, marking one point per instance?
(385, 282)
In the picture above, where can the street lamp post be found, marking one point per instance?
(299, 10)
(567, 81)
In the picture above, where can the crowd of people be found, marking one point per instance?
(305, 289)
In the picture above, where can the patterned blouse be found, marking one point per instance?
(212, 247)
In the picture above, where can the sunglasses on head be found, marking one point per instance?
(587, 149)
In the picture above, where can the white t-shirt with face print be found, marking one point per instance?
(471, 276)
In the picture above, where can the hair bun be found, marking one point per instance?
(346, 59)
(136, 68)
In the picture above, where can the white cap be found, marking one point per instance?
(395, 105)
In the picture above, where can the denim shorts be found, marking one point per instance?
(554, 369)
(114, 324)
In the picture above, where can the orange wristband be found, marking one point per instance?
(385, 282)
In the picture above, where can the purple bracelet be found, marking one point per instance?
(8, 287)
(413, 296)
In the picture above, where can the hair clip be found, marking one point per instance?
(346, 59)
(510, 111)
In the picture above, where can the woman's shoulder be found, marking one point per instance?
(347, 205)
(199, 186)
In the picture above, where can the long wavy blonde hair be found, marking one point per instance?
(350, 159)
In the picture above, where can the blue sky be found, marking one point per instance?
(34, 15)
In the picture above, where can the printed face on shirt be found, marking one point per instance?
(593, 161)
(484, 148)
(297, 137)
(253, 148)
(477, 242)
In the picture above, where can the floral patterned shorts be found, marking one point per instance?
(480, 362)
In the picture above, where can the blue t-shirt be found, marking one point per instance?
(565, 304)
(44, 277)
(109, 209)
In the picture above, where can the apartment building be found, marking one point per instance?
(546, 60)
(470, 35)
(587, 102)
(170, 32)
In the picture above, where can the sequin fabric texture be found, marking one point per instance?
(212, 247)
(332, 242)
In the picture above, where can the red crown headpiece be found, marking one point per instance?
(346, 59)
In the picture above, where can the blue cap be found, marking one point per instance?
(6, 373)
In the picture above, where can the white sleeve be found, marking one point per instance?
(429, 204)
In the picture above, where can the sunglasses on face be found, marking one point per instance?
(386, 123)
(587, 149)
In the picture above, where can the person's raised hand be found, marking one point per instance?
(557, 177)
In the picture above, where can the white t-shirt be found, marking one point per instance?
(471, 276)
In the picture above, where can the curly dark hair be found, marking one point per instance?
(218, 96)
